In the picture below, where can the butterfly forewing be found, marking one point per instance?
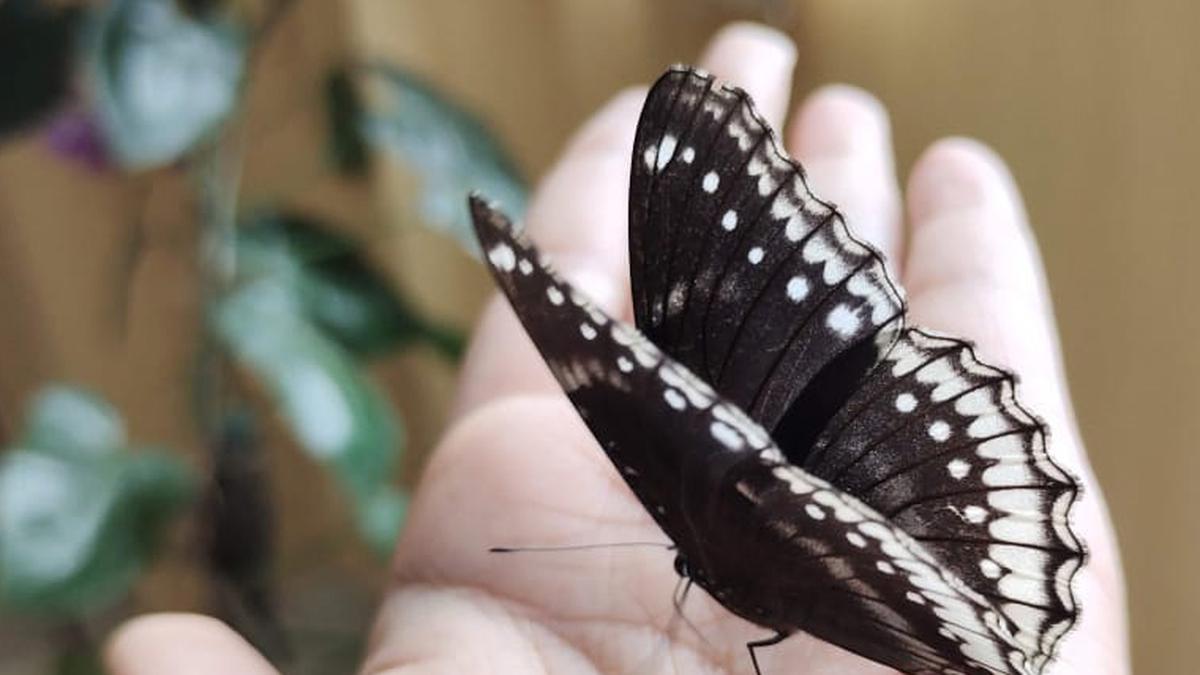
(739, 272)
(635, 402)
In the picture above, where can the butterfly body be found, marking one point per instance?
(819, 465)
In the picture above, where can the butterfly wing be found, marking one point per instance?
(841, 571)
(739, 272)
(713, 480)
(635, 402)
(937, 441)
(743, 275)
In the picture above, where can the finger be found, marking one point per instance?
(842, 137)
(757, 59)
(579, 214)
(973, 269)
(184, 644)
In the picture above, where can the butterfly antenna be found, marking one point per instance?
(581, 547)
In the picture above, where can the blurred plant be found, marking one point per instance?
(160, 79)
(292, 310)
(37, 54)
(80, 510)
(81, 513)
(448, 146)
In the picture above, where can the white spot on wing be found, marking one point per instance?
(674, 398)
(502, 256)
(689, 154)
(587, 331)
(797, 288)
(814, 512)
(906, 402)
(975, 403)
(755, 255)
(666, 150)
(675, 299)
(738, 130)
(988, 425)
(697, 390)
(795, 228)
(843, 320)
(975, 514)
(729, 221)
(555, 295)
(958, 468)
(841, 508)
(711, 181)
(642, 349)
(990, 569)
(726, 435)
(766, 185)
(796, 482)
(939, 430)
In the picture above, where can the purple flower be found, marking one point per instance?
(74, 134)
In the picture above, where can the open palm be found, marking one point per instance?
(519, 468)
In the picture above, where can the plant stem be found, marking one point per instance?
(218, 174)
(274, 16)
(242, 582)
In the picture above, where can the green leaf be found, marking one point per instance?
(36, 53)
(448, 147)
(67, 419)
(162, 80)
(338, 290)
(332, 410)
(79, 518)
(347, 145)
(380, 517)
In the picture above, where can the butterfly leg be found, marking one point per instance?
(757, 644)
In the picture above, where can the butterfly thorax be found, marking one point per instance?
(736, 557)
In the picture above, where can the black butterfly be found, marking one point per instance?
(819, 466)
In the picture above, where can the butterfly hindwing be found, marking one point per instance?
(845, 573)
(936, 440)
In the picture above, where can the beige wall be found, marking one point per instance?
(1094, 104)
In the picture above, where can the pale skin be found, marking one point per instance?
(517, 467)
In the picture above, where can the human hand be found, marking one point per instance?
(518, 467)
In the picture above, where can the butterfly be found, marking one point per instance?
(819, 465)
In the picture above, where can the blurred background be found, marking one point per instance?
(235, 284)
